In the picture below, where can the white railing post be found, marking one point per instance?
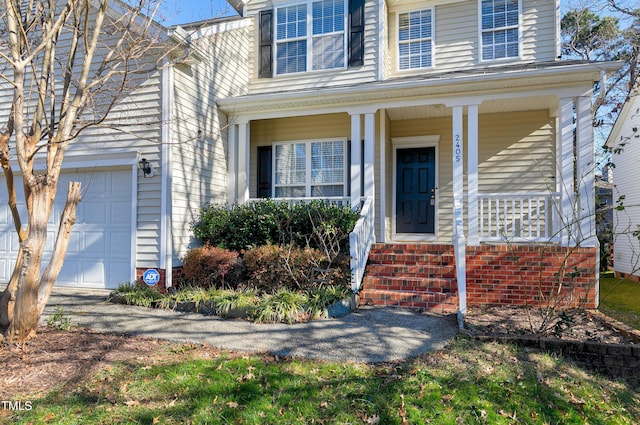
(360, 241)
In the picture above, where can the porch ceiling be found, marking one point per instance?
(487, 107)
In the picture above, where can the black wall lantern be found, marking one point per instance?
(146, 167)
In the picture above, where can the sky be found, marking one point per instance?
(174, 12)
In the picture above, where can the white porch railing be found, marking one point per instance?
(360, 241)
(519, 217)
(330, 200)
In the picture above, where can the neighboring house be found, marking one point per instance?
(604, 216)
(450, 123)
(624, 141)
(129, 221)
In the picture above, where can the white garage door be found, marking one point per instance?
(99, 253)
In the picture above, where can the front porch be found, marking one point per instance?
(479, 174)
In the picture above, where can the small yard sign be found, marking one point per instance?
(151, 277)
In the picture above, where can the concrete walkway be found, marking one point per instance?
(367, 335)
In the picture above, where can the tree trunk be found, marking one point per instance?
(67, 220)
(24, 299)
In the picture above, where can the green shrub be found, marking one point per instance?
(241, 227)
(212, 267)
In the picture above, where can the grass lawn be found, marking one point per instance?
(469, 382)
(620, 299)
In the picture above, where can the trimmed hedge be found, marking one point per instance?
(241, 227)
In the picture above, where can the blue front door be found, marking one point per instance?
(415, 190)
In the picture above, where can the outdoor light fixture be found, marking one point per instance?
(146, 167)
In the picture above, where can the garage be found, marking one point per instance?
(99, 253)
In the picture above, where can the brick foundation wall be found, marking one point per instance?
(519, 274)
(162, 284)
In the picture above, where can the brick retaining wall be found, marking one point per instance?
(613, 360)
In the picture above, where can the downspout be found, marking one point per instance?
(166, 241)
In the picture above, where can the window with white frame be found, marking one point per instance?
(310, 35)
(500, 29)
(309, 169)
(415, 39)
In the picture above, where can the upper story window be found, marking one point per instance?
(500, 29)
(415, 39)
(310, 36)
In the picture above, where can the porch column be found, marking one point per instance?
(243, 162)
(382, 188)
(355, 159)
(232, 157)
(565, 172)
(585, 178)
(369, 155)
(472, 175)
(459, 242)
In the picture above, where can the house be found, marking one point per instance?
(146, 171)
(449, 123)
(624, 142)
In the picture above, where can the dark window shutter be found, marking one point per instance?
(356, 32)
(265, 54)
(264, 172)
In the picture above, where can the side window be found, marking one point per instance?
(500, 28)
(415, 39)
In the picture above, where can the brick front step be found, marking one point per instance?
(412, 283)
(426, 271)
(429, 301)
(415, 276)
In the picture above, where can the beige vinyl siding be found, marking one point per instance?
(538, 30)
(627, 163)
(199, 160)
(314, 79)
(266, 132)
(457, 36)
(516, 154)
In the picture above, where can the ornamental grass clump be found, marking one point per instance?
(283, 306)
(135, 294)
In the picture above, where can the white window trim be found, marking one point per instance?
(402, 10)
(308, 184)
(480, 32)
(309, 38)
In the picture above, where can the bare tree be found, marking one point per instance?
(64, 64)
